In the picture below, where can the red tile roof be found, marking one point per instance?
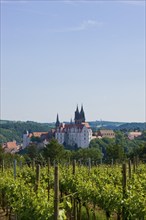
(37, 134)
(65, 127)
(11, 145)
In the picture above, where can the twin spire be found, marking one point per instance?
(79, 117)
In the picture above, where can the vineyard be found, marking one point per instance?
(73, 191)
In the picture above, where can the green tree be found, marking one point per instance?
(32, 151)
(54, 150)
(143, 136)
(115, 152)
(85, 154)
(1, 153)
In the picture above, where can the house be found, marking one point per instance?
(11, 147)
(134, 134)
(42, 137)
(106, 133)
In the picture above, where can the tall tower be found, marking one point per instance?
(77, 115)
(82, 114)
(26, 139)
(57, 122)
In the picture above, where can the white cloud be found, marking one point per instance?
(85, 25)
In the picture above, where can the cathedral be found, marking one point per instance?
(77, 133)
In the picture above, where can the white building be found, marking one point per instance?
(44, 136)
(134, 134)
(78, 133)
(26, 139)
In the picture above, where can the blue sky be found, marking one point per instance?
(57, 54)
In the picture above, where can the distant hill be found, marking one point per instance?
(133, 126)
(13, 130)
(95, 125)
(106, 124)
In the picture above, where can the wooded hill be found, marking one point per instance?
(13, 130)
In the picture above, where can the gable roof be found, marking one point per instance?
(37, 134)
(66, 127)
(106, 132)
(11, 145)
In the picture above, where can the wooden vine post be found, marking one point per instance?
(136, 161)
(56, 193)
(129, 166)
(33, 164)
(49, 165)
(134, 165)
(74, 167)
(37, 176)
(124, 188)
(15, 164)
(89, 164)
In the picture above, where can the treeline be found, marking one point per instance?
(13, 130)
(132, 126)
(120, 147)
(123, 126)
(103, 150)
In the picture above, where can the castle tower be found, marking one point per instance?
(57, 122)
(26, 139)
(77, 116)
(82, 114)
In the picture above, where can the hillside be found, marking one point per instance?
(118, 125)
(106, 124)
(133, 126)
(13, 130)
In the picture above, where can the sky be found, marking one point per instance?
(56, 55)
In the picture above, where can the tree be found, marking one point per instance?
(143, 136)
(1, 153)
(54, 150)
(115, 152)
(85, 154)
(32, 151)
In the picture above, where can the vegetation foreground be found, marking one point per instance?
(73, 191)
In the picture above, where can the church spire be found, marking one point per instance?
(77, 115)
(82, 110)
(57, 121)
(77, 110)
(82, 114)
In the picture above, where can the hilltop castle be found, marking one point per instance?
(77, 134)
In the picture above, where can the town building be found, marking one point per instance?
(105, 133)
(134, 134)
(77, 133)
(41, 137)
(11, 147)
